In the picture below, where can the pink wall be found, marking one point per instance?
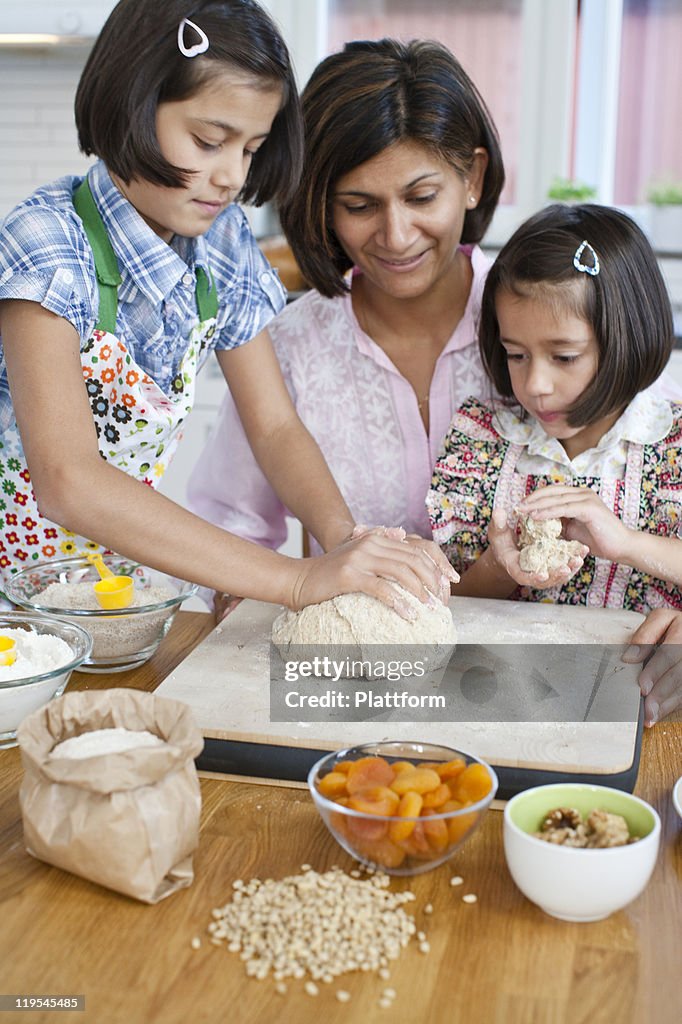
(484, 35)
(649, 141)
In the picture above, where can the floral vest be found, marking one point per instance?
(138, 425)
(476, 472)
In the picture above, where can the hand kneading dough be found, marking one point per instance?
(367, 627)
(542, 548)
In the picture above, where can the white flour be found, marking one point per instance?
(105, 741)
(36, 653)
(114, 636)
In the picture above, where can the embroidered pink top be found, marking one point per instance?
(360, 409)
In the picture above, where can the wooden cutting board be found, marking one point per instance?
(226, 681)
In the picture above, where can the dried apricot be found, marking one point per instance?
(421, 780)
(472, 784)
(333, 784)
(437, 797)
(449, 770)
(361, 829)
(416, 844)
(459, 826)
(375, 800)
(436, 831)
(410, 807)
(369, 771)
(382, 851)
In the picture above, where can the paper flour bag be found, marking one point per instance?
(127, 819)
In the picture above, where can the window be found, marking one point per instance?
(648, 136)
(587, 89)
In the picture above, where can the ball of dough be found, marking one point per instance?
(367, 629)
(538, 529)
(542, 548)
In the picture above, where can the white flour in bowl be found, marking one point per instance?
(35, 653)
(114, 636)
(105, 741)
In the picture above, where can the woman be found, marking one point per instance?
(402, 174)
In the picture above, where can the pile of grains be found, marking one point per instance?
(564, 826)
(35, 653)
(322, 925)
(113, 636)
(105, 741)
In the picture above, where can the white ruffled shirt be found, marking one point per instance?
(647, 419)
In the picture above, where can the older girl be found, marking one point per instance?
(114, 289)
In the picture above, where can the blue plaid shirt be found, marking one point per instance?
(45, 257)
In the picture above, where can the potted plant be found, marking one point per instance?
(567, 190)
(665, 215)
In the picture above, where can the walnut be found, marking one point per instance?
(564, 827)
(605, 830)
(562, 817)
(558, 836)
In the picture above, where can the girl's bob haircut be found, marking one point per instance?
(626, 304)
(136, 64)
(359, 102)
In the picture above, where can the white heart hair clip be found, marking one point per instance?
(197, 48)
(586, 268)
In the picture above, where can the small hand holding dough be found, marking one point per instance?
(543, 550)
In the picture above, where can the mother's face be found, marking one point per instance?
(399, 216)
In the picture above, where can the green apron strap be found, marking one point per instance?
(206, 295)
(106, 266)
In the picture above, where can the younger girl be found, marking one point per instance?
(575, 325)
(129, 279)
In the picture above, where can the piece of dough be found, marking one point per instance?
(542, 548)
(538, 529)
(362, 627)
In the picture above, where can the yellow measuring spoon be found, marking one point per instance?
(111, 591)
(8, 650)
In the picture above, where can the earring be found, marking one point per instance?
(472, 200)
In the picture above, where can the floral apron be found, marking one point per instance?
(138, 426)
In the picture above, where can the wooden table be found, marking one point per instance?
(498, 961)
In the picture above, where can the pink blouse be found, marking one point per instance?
(361, 411)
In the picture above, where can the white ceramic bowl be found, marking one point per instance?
(579, 884)
(122, 638)
(677, 796)
(19, 697)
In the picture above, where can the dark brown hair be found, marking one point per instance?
(357, 104)
(135, 65)
(626, 304)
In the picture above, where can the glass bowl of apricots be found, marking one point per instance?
(401, 806)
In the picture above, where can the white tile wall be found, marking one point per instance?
(37, 90)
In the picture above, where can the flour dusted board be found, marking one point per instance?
(226, 681)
